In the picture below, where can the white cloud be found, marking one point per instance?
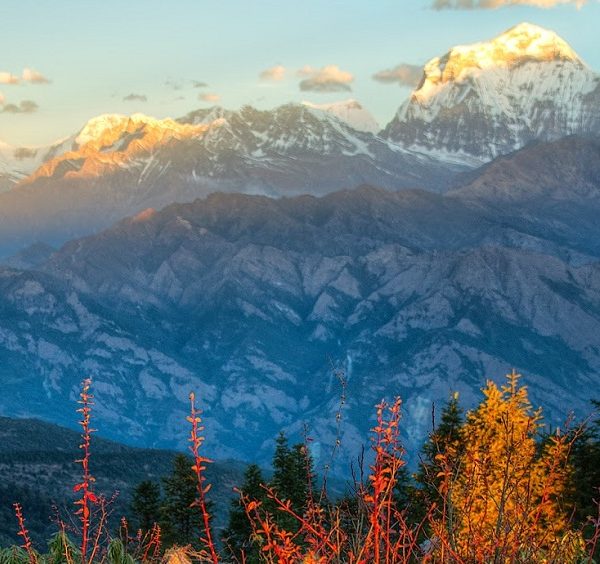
(8, 78)
(212, 98)
(403, 74)
(494, 4)
(274, 73)
(327, 79)
(33, 76)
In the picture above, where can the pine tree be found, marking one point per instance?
(585, 479)
(237, 538)
(282, 474)
(443, 448)
(293, 475)
(301, 486)
(145, 505)
(180, 522)
(293, 480)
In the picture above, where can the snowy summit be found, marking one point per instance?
(351, 112)
(482, 100)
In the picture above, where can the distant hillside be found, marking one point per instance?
(37, 469)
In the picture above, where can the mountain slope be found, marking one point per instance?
(548, 190)
(120, 165)
(16, 163)
(248, 300)
(487, 99)
(38, 470)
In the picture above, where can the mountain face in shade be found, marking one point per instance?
(250, 301)
(487, 99)
(119, 165)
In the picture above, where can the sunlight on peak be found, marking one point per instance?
(520, 44)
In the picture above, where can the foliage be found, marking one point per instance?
(237, 537)
(145, 505)
(180, 521)
(504, 502)
(490, 490)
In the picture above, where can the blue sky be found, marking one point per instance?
(96, 53)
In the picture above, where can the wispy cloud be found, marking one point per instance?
(135, 98)
(24, 107)
(173, 84)
(210, 97)
(494, 4)
(306, 70)
(8, 78)
(275, 73)
(33, 76)
(402, 74)
(184, 83)
(327, 79)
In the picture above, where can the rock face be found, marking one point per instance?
(119, 165)
(250, 301)
(487, 99)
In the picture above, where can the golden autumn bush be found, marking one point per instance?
(505, 497)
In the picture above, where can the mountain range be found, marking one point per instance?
(232, 253)
(474, 103)
(252, 301)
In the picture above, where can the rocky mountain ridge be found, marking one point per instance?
(252, 301)
(474, 103)
(119, 165)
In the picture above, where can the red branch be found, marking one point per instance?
(196, 440)
(23, 532)
(85, 486)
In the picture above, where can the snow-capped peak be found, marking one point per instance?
(493, 97)
(351, 112)
(97, 125)
(531, 41)
(520, 44)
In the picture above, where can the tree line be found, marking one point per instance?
(491, 485)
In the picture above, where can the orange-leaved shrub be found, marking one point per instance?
(504, 493)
